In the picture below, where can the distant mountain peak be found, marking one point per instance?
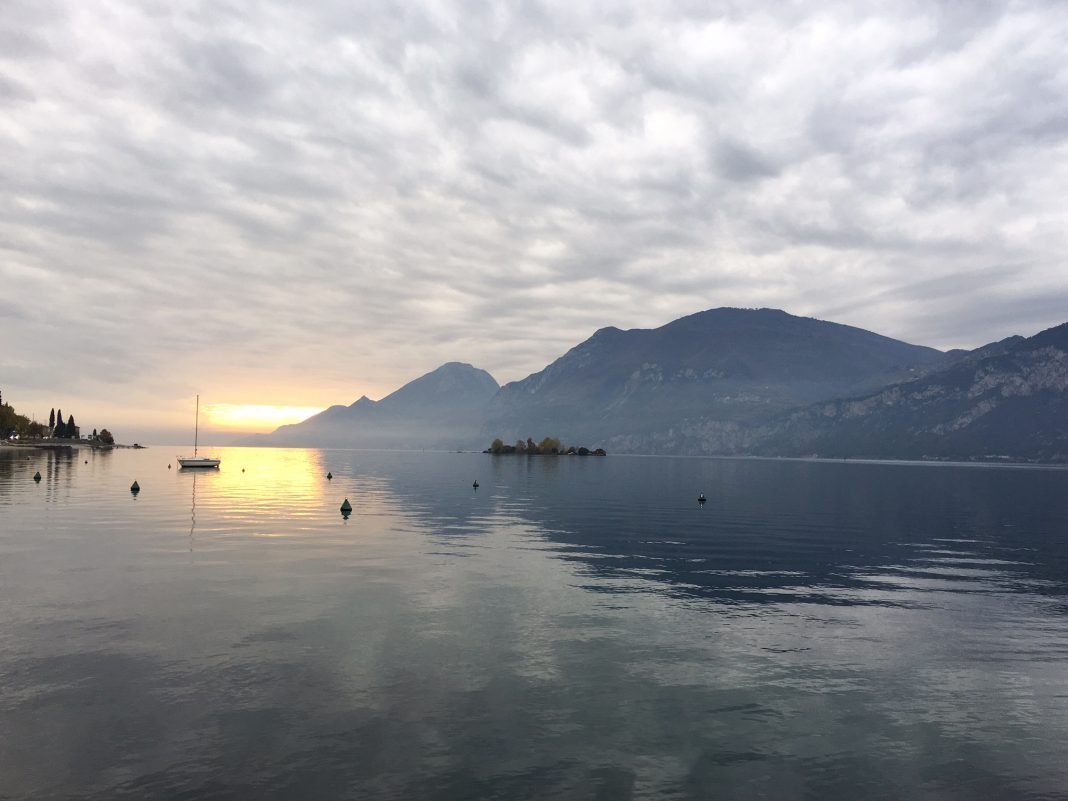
(442, 408)
(458, 380)
(608, 330)
(454, 366)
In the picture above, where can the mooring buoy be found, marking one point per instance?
(475, 485)
(346, 506)
(168, 467)
(701, 498)
(329, 476)
(37, 476)
(135, 487)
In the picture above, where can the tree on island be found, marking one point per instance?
(550, 446)
(105, 437)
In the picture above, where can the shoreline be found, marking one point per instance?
(74, 445)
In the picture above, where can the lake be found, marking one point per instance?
(575, 628)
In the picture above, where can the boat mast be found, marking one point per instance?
(196, 428)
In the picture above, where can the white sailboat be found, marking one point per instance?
(194, 460)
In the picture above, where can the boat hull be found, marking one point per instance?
(197, 461)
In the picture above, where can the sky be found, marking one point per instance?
(290, 205)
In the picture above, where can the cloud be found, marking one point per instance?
(740, 163)
(303, 204)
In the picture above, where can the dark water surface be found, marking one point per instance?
(574, 629)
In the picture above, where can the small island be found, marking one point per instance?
(550, 446)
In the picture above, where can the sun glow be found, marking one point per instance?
(253, 417)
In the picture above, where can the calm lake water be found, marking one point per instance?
(574, 629)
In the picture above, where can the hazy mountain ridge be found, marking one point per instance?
(441, 409)
(737, 382)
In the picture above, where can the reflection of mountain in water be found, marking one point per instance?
(771, 532)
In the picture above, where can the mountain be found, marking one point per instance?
(441, 409)
(1006, 400)
(637, 390)
(736, 382)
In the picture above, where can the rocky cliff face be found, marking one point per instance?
(1007, 400)
(1011, 403)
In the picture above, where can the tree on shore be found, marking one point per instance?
(72, 428)
(11, 422)
(60, 430)
(105, 437)
(52, 420)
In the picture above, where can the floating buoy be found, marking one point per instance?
(329, 476)
(701, 498)
(135, 488)
(37, 476)
(475, 485)
(168, 467)
(87, 461)
(242, 470)
(346, 506)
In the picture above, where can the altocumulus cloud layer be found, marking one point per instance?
(301, 202)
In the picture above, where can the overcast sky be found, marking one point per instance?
(300, 203)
